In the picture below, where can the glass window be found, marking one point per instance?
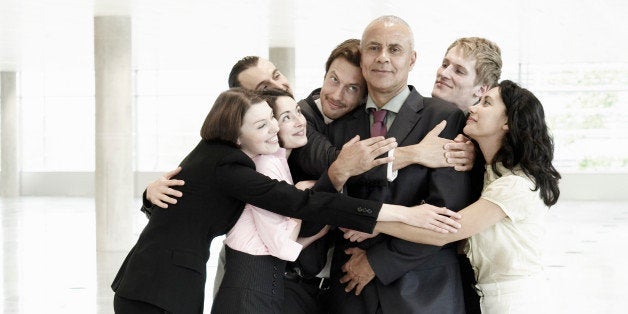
(57, 110)
(587, 109)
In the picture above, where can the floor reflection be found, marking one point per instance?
(50, 264)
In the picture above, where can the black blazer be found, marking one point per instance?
(166, 267)
(410, 277)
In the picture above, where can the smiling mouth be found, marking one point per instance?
(334, 104)
(440, 83)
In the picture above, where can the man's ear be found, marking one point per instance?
(505, 126)
(413, 58)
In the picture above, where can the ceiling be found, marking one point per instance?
(49, 33)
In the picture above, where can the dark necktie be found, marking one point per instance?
(378, 128)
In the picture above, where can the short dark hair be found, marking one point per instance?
(271, 95)
(528, 142)
(348, 49)
(241, 66)
(224, 120)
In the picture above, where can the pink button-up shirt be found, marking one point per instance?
(260, 232)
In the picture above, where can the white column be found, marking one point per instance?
(10, 175)
(282, 27)
(114, 141)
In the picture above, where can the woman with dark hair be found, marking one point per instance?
(506, 225)
(166, 269)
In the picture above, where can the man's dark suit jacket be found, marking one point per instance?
(166, 267)
(410, 277)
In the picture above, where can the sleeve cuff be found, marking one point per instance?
(390, 174)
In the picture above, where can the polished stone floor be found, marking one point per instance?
(50, 265)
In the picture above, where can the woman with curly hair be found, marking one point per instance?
(505, 227)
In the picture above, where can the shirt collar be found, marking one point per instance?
(319, 105)
(393, 105)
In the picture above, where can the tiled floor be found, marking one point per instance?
(50, 264)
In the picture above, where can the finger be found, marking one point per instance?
(463, 167)
(460, 138)
(343, 229)
(352, 141)
(383, 160)
(437, 129)
(453, 162)
(159, 203)
(456, 153)
(168, 199)
(449, 225)
(445, 227)
(173, 192)
(379, 150)
(457, 147)
(174, 182)
(359, 287)
(350, 250)
(345, 278)
(347, 235)
(447, 212)
(172, 173)
(355, 237)
(437, 229)
(372, 140)
(379, 141)
(351, 285)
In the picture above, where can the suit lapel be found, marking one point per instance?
(407, 118)
(359, 124)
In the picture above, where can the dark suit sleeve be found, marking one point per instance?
(315, 157)
(242, 182)
(392, 258)
(147, 207)
(310, 228)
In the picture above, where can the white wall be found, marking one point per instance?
(183, 51)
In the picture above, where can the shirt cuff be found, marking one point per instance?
(390, 174)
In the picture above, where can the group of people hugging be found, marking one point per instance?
(364, 197)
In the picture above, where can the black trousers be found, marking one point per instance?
(253, 284)
(126, 306)
(471, 297)
(306, 296)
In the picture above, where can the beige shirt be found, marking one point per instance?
(510, 249)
